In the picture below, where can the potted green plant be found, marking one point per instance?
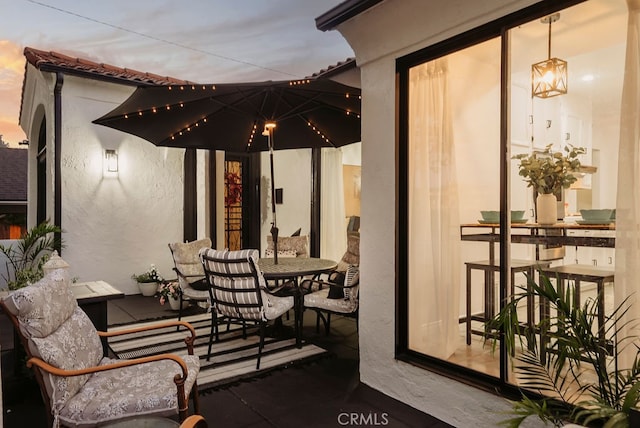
(26, 256)
(548, 172)
(148, 281)
(577, 378)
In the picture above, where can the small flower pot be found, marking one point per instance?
(175, 303)
(148, 288)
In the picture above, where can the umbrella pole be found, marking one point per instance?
(274, 224)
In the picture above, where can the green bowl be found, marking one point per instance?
(517, 215)
(603, 215)
(491, 216)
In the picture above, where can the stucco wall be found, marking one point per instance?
(114, 225)
(402, 27)
(292, 171)
(125, 220)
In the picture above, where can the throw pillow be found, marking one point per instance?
(335, 292)
(200, 285)
(281, 253)
(352, 277)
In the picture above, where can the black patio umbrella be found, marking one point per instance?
(232, 117)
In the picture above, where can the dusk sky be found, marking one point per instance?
(210, 41)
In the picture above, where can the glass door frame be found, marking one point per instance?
(497, 29)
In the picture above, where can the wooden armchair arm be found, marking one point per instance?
(188, 340)
(194, 421)
(35, 361)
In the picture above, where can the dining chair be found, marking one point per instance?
(80, 386)
(327, 298)
(188, 267)
(239, 292)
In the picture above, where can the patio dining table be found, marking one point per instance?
(293, 268)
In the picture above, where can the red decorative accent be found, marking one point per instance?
(233, 184)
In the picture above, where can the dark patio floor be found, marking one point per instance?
(323, 393)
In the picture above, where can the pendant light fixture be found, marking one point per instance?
(549, 78)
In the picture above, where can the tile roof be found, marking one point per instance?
(54, 61)
(13, 180)
(337, 68)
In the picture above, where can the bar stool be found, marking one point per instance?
(578, 274)
(489, 269)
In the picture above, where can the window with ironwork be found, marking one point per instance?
(233, 205)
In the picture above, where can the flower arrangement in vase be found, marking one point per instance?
(548, 172)
(170, 292)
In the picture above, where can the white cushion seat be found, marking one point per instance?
(320, 299)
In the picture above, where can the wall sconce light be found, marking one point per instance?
(111, 160)
(549, 78)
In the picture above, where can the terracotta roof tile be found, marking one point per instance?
(53, 61)
(13, 180)
(339, 67)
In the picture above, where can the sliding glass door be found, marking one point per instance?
(456, 164)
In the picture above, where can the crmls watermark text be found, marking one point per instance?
(363, 419)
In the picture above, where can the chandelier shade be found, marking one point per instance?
(549, 78)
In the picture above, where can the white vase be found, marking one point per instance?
(547, 208)
(148, 288)
(175, 303)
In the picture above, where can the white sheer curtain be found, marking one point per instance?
(627, 279)
(333, 226)
(434, 250)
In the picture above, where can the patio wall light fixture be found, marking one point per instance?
(549, 77)
(111, 160)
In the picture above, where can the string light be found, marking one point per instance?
(253, 133)
(268, 125)
(317, 131)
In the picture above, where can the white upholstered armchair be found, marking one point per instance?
(340, 297)
(80, 386)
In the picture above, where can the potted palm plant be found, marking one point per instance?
(26, 256)
(548, 172)
(577, 378)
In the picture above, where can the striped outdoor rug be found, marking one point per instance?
(232, 358)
